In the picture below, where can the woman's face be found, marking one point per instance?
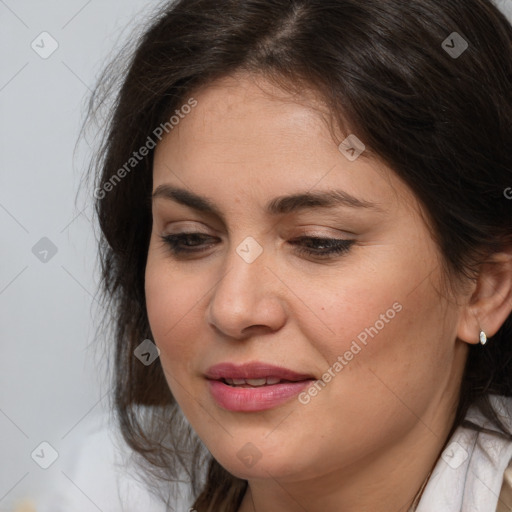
(352, 325)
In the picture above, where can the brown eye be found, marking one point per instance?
(182, 243)
(322, 247)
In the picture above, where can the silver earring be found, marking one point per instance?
(483, 337)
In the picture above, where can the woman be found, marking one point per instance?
(306, 240)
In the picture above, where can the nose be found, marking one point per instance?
(247, 300)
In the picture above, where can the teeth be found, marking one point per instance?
(269, 381)
(256, 382)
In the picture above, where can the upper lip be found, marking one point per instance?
(254, 370)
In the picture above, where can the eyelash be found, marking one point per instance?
(336, 247)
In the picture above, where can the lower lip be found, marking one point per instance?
(254, 399)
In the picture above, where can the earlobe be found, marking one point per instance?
(491, 301)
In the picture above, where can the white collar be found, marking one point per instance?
(469, 473)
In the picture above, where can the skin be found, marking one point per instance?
(350, 448)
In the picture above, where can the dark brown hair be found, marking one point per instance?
(441, 121)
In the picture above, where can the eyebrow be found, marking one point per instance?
(278, 206)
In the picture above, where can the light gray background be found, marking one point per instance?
(49, 378)
(51, 364)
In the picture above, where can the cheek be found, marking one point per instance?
(367, 304)
(382, 334)
(174, 303)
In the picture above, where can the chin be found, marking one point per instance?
(251, 463)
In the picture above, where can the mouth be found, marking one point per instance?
(254, 383)
(255, 386)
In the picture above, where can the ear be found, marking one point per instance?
(491, 301)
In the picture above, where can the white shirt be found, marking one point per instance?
(469, 474)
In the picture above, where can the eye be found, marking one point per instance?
(322, 247)
(183, 243)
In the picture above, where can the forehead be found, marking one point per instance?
(242, 111)
(246, 134)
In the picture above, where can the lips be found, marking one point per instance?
(255, 370)
(255, 386)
